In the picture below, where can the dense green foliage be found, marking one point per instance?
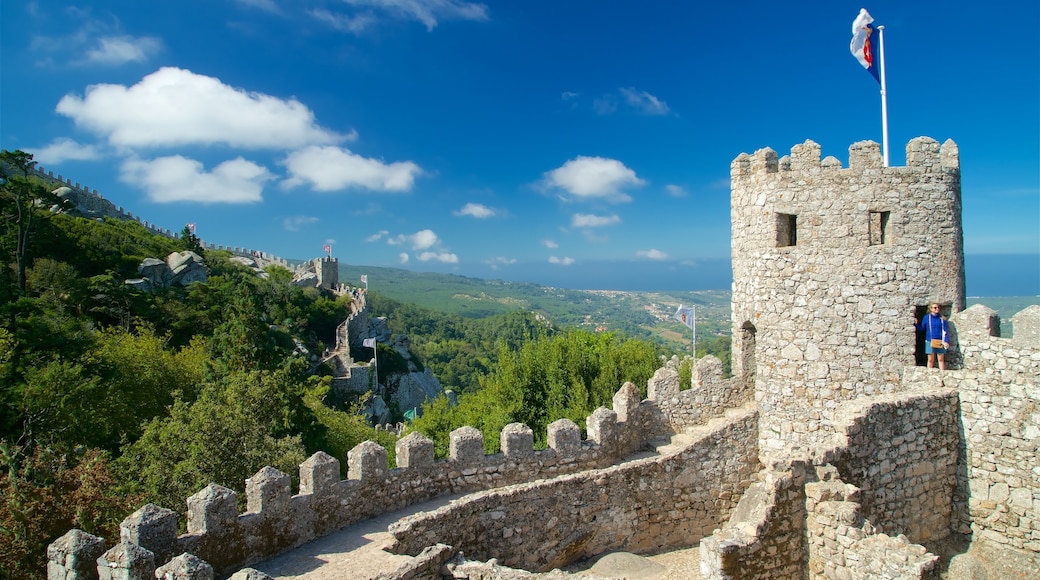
(111, 397)
(566, 376)
(458, 350)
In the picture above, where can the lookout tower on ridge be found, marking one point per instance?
(831, 266)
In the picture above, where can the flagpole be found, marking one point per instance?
(884, 97)
(694, 332)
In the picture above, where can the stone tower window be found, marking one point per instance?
(878, 227)
(786, 230)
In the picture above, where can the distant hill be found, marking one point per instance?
(646, 315)
(639, 314)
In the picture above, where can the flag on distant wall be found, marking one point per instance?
(685, 315)
(369, 343)
(863, 45)
(327, 248)
(364, 278)
(191, 227)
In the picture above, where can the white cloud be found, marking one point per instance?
(175, 107)
(427, 11)
(296, 222)
(593, 177)
(476, 210)
(343, 22)
(377, 236)
(675, 190)
(568, 95)
(445, 257)
(652, 254)
(550, 244)
(421, 240)
(585, 220)
(65, 149)
(176, 178)
(500, 261)
(265, 5)
(402, 257)
(331, 168)
(116, 50)
(644, 102)
(561, 261)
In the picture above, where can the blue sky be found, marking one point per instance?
(565, 142)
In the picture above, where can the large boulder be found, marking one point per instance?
(186, 267)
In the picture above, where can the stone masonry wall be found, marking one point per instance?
(709, 396)
(843, 544)
(901, 452)
(643, 506)
(276, 520)
(999, 388)
(765, 537)
(829, 267)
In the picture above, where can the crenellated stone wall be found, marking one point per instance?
(276, 520)
(644, 506)
(901, 452)
(999, 390)
(709, 395)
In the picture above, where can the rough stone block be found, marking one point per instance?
(517, 440)
(564, 436)
(415, 450)
(153, 528)
(626, 402)
(126, 561)
(268, 492)
(214, 510)
(602, 427)
(466, 445)
(663, 385)
(185, 567)
(74, 556)
(367, 460)
(319, 474)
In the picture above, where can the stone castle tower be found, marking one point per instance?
(327, 270)
(831, 266)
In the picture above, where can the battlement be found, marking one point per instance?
(923, 155)
(275, 520)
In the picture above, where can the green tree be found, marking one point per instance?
(44, 494)
(191, 242)
(567, 375)
(19, 197)
(239, 424)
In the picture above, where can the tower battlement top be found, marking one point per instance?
(923, 154)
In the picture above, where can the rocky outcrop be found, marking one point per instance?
(85, 204)
(181, 268)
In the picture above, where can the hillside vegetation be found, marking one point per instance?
(111, 397)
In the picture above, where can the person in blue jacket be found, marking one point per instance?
(936, 336)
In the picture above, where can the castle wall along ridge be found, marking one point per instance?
(831, 453)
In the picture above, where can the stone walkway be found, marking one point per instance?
(355, 552)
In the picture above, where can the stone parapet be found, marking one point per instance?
(708, 397)
(276, 521)
(645, 505)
